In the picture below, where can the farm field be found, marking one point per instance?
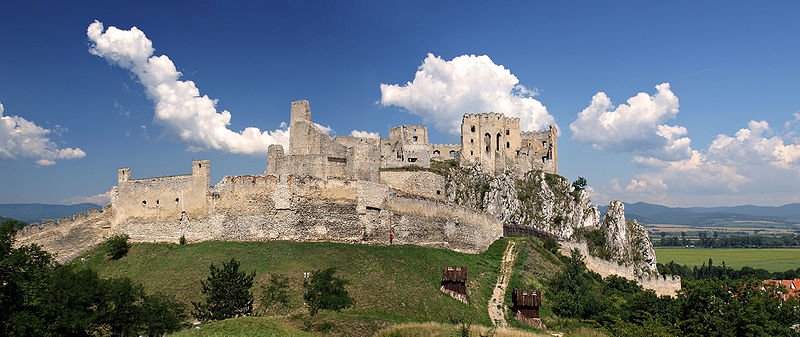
(771, 259)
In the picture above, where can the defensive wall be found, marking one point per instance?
(321, 188)
(661, 284)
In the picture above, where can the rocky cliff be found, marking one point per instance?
(548, 202)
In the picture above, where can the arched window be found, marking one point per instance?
(488, 141)
(497, 146)
(472, 128)
(452, 153)
(436, 152)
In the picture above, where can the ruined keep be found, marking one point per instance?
(354, 190)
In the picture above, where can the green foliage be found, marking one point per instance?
(182, 240)
(117, 246)
(578, 186)
(40, 298)
(276, 292)
(595, 240)
(443, 167)
(551, 245)
(227, 292)
(326, 291)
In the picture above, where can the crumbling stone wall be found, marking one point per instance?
(490, 140)
(69, 237)
(418, 183)
(162, 197)
(539, 151)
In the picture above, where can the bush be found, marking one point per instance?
(182, 240)
(276, 292)
(227, 292)
(117, 246)
(326, 291)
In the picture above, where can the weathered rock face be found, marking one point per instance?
(627, 241)
(539, 200)
(550, 203)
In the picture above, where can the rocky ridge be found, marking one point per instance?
(548, 202)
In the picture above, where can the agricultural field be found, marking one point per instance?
(771, 259)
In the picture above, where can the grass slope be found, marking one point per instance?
(390, 284)
(245, 326)
(771, 259)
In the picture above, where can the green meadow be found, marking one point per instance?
(771, 259)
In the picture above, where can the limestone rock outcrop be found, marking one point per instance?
(549, 203)
(539, 200)
(627, 241)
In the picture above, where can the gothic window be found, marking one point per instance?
(488, 141)
(436, 152)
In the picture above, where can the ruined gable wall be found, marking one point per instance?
(491, 140)
(162, 197)
(445, 151)
(540, 150)
(417, 183)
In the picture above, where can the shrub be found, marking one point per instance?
(227, 292)
(326, 291)
(276, 292)
(117, 246)
(182, 240)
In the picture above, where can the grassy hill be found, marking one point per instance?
(396, 288)
(390, 284)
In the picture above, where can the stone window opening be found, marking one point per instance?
(544, 144)
(472, 141)
(144, 202)
(472, 128)
(508, 132)
(497, 146)
(436, 152)
(157, 202)
(488, 141)
(412, 160)
(414, 138)
(470, 153)
(177, 200)
(438, 192)
(200, 165)
(452, 153)
(544, 160)
(508, 145)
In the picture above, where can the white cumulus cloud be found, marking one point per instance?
(101, 199)
(364, 134)
(179, 106)
(443, 91)
(20, 137)
(636, 127)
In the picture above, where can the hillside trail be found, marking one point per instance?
(497, 302)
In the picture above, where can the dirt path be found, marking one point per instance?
(496, 303)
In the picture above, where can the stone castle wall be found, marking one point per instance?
(418, 183)
(69, 237)
(662, 285)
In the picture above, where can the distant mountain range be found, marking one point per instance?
(699, 216)
(38, 212)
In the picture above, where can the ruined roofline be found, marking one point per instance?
(448, 145)
(490, 114)
(539, 132)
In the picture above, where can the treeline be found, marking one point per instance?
(714, 240)
(38, 297)
(711, 271)
(703, 307)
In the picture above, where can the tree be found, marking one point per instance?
(580, 183)
(117, 246)
(276, 292)
(227, 292)
(326, 291)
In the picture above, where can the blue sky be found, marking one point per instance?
(727, 64)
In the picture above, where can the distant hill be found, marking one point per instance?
(38, 212)
(698, 216)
